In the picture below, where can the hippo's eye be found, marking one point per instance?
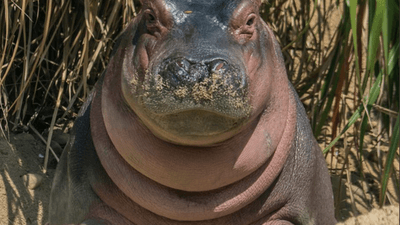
(151, 18)
(250, 20)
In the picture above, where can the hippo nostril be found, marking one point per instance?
(218, 66)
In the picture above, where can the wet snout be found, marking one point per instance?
(182, 71)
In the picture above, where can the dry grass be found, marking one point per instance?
(52, 53)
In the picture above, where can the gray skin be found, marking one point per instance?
(193, 122)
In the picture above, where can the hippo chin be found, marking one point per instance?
(193, 122)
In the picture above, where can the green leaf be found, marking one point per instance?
(385, 34)
(374, 34)
(353, 20)
(393, 59)
(389, 161)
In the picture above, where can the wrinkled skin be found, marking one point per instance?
(194, 122)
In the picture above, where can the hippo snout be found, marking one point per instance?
(184, 72)
(180, 84)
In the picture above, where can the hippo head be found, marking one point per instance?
(193, 70)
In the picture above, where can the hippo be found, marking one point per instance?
(194, 121)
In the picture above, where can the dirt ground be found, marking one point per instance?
(21, 205)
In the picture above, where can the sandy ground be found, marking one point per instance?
(21, 205)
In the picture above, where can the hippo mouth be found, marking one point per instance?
(194, 127)
(195, 123)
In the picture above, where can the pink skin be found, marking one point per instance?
(133, 154)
